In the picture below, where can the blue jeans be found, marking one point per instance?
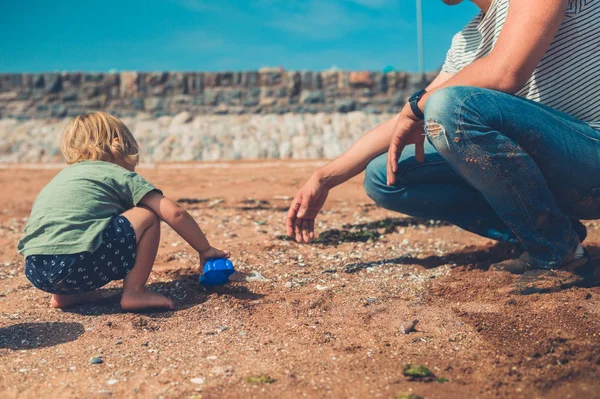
(499, 166)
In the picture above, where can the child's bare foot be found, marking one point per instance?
(145, 299)
(67, 301)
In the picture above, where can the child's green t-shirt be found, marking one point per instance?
(71, 212)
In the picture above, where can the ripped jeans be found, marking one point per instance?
(499, 166)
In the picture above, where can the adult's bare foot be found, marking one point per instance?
(145, 299)
(67, 301)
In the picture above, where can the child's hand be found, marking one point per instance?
(211, 253)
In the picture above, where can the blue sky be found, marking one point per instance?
(209, 35)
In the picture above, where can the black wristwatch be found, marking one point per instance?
(414, 104)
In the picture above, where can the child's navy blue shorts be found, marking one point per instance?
(86, 271)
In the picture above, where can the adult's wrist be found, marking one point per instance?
(323, 178)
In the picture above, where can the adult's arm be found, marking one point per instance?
(311, 197)
(530, 27)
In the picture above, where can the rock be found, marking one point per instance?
(311, 97)
(96, 360)
(407, 395)
(58, 111)
(360, 79)
(154, 104)
(345, 105)
(197, 380)
(222, 371)
(112, 381)
(52, 82)
(399, 99)
(408, 326)
(129, 85)
(256, 276)
(182, 118)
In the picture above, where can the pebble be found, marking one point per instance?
(197, 380)
(112, 381)
(408, 326)
(222, 371)
(256, 276)
(321, 287)
(96, 360)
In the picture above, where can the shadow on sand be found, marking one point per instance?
(38, 335)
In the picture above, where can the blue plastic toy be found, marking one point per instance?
(216, 271)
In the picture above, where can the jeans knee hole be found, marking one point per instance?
(434, 128)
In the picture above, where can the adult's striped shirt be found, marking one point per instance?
(568, 76)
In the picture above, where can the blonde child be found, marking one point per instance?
(99, 221)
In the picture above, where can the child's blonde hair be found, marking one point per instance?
(99, 136)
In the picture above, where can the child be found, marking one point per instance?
(99, 221)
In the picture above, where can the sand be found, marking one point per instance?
(325, 323)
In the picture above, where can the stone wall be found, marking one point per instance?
(185, 137)
(57, 95)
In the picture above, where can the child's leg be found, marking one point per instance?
(67, 301)
(147, 230)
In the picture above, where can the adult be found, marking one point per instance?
(511, 149)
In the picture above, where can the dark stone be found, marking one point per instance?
(293, 84)
(399, 99)
(210, 79)
(270, 78)
(249, 79)
(225, 79)
(198, 100)
(52, 82)
(195, 83)
(58, 111)
(232, 96)
(250, 102)
(89, 91)
(380, 80)
(94, 77)
(371, 109)
(69, 95)
(255, 92)
(137, 103)
(312, 97)
(175, 84)
(311, 80)
(71, 78)
(281, 92)
(366, 93)
(212, 96)
(280, 110)
(38, 81)
(345, 105)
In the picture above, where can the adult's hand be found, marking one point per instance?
(308, 202)
(408, 130)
